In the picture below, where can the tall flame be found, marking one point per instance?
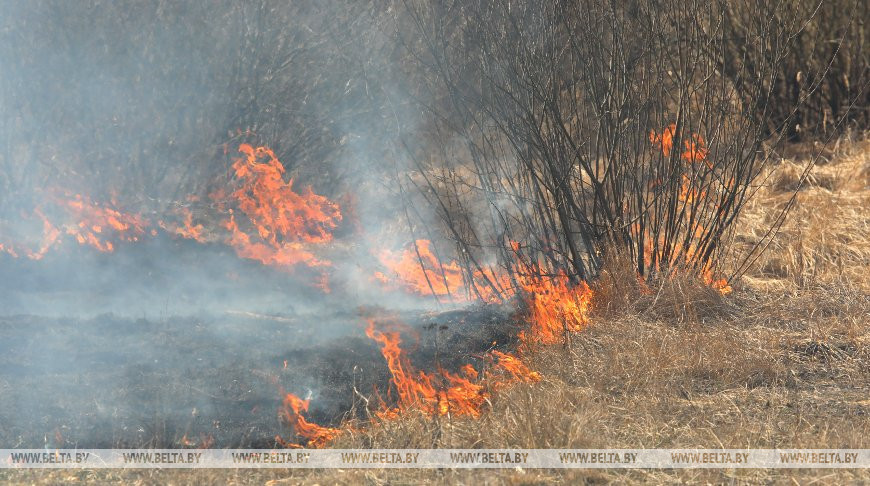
(263, 218)
(557, 306)
(282, 221)
(438, 394)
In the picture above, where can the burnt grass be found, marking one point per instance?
(112, 381)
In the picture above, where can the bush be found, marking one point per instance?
(594, 127)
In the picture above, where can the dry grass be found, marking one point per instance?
(783, 362)
(826, 239)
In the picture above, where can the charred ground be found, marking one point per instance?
(112, 381)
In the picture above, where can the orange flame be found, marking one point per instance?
(441, 393)
(719, 284)
(421, 272)
(286, 254)
(96, 225)
(515, 368)
(280, 218)
(264, 219)
(693, 148)
(50, 236)
(557, 306)
(292, 413)
(206, 441)
(694, 151)
(275, 210)
(437, 394)
(186, 228)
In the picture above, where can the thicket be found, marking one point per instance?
(558, 132)
(568, 132)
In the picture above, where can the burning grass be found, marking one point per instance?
(770, 374)
(277, 225)
(782, 362)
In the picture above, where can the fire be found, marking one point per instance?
(719, 284)
(420, 271)
(50, 234)
(441, 394)
(204, 442)
(694, 151)
(285, 254)
(515, 367)
(557, 306)
(90, 223)
(50, 237)
(97, 225)
(274, 209)
(291, 412)
(263, 218)
(282, 222)
(185, 229)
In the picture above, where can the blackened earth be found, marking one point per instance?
(113, 381)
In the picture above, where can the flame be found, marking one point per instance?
(515, 367)
(97, 225)
(556, 306)
(90, 223)
(262, 218)
(442, 393)
(206, 441)
(469, 371)
(281, 220)
(719, 284)
(185, 229)
(274, 209)
(439, 394)
(694, 151)
(418, 270)
(291, 412)
(50, 236)
(286, 254)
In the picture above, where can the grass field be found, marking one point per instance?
(784, 361)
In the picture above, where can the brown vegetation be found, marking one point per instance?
(782, 362)
(629, 130)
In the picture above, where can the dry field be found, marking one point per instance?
(784, 361)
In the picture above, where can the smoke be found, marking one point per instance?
(138, 109)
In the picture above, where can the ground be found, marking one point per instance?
(783, 361)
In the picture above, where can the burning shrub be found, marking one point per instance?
(594, 128)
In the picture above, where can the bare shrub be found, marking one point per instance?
(594, 127)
